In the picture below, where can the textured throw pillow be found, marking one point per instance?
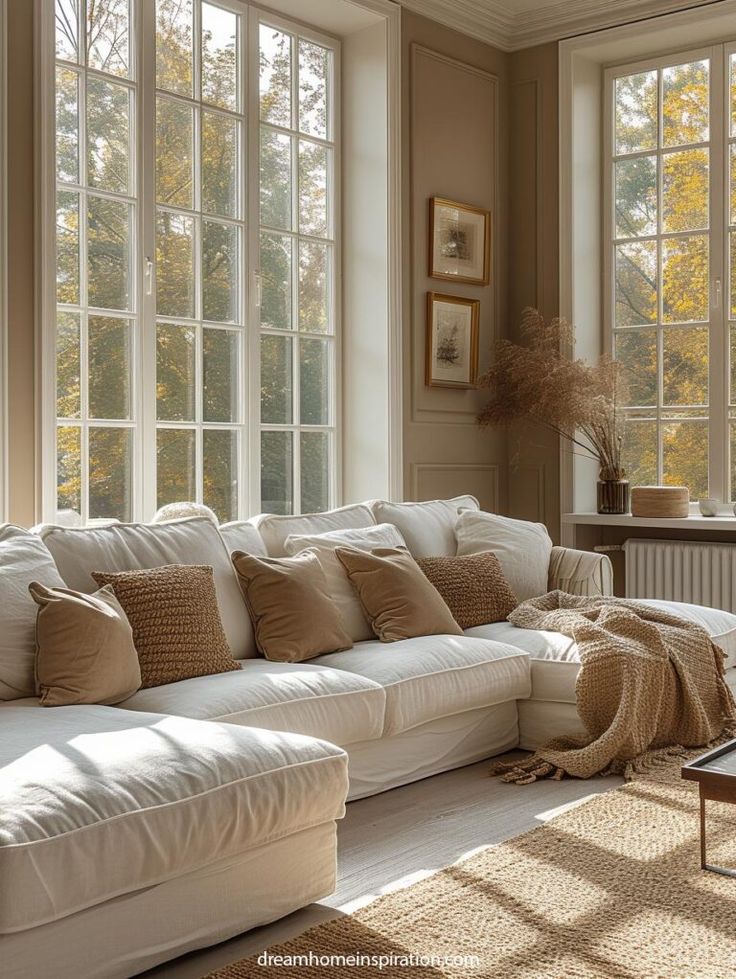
(293, 615)
(175, 620)
(396, 596)
(339, 588)
(522, 547)
(473, 586)
(84, 648)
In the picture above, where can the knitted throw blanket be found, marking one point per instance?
(649, 683)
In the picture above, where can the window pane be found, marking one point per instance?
(275, 76)
(636, 283)
(67, 247)
(67, 125)
(68, 469)
(219, 56)
(174, 264)
(636, 112)
(636, 197)
(640, 452)
(732, 249)
(314, 373)
(108, 135)
(174, 52)
(108, 253)
(685, 367)
(637, 352)
(277, 480)
(219, 272)
(313, 219)
(67, 29)
(107, 36)
(732, 396)
(109, 372)
(276, 380)
(68, 402)
(685, 190)
(315, 471)
(220, 375)
(685, 97)
(175, 465)
(685, 279)
(219, 165)
(275, 180)
(314, 281)
(732, 182)
(110, 472)
(276, 281)
(313, 88)
(685, 456)
(220, 473)
(174, 153)
(732, 440)
(175, 373)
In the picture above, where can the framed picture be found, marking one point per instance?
(452, 341)
(459, 242)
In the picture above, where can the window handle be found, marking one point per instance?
(148, 275)
(257, 288)
(715, 299)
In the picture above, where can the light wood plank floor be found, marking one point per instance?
(391, 839)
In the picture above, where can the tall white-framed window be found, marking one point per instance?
(670, 306)
(196, 319)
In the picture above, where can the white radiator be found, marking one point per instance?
(682, 571)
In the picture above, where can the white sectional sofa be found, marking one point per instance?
(199, 809)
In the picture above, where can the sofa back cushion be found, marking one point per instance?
(23, 559)
(523, 548)
(339, 588)
(242, 535)
(428, 528)
(134, 547)
(275, 528)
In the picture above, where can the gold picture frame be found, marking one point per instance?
(459, 242)
(452, 341)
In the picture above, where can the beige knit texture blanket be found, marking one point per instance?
(650, 684)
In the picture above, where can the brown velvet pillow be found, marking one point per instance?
(84, 648)
(398, 599)
(293, 616)
(473, 586)
(175, 620)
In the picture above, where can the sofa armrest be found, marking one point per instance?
(580, 572)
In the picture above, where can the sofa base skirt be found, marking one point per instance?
(132, 933)
(431, 748)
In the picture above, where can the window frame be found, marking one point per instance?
(718, 287)
(143, 402)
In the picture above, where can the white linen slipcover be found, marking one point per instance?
(428, 527)
(23, 558)
(300, 697)
(129, 547)
(341, 591)
(555, 659)
(435, 676)
(242, 535)
(522, 548)
(97, 801)
(274, 528)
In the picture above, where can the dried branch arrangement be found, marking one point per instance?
(535, 382)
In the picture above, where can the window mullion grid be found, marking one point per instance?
(296, 448)
(718, 201)
(83, 282)
(660, 280)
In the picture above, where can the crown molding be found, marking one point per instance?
(490, 20)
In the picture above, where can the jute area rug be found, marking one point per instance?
(613, 888)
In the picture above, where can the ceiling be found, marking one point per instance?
(514, 24)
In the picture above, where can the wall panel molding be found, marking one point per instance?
(441, 480)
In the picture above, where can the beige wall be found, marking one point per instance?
(21, 364)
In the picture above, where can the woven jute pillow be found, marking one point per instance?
(177, 630)
(473, 586)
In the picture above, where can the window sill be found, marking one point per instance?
(720, 523)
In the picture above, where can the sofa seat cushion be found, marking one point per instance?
(98, 802)
(299, 697)
(436, 676)
(555, 659)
